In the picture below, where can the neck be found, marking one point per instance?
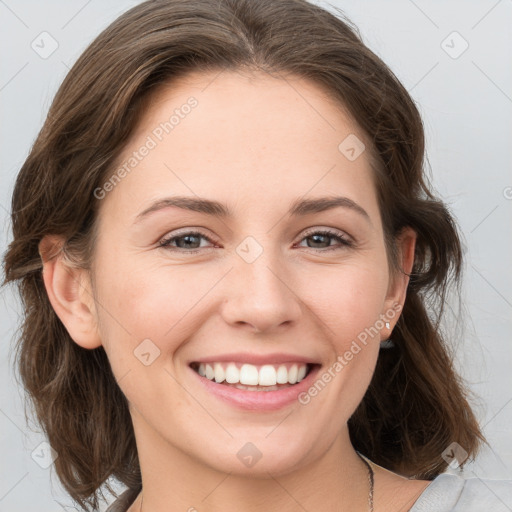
(175, 479)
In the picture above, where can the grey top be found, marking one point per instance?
(452, 493)
(446, 493)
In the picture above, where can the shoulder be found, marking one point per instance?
(448, 492)
(124, 501)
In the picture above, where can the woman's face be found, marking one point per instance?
(241, 272)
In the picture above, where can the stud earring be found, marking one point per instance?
(387, 325)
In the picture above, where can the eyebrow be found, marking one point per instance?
(299, 208)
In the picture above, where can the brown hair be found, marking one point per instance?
(416, 404)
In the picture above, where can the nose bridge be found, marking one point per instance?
(259, 292)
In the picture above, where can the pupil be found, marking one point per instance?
(187, 237)
(315, 238)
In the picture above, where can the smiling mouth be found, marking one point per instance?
(267, 377)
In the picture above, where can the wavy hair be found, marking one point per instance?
(416, 404)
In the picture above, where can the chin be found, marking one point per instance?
(257, 456)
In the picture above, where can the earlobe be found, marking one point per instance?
(70, 293)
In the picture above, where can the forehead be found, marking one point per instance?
(264, 137)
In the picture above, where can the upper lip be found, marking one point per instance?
(256, 359)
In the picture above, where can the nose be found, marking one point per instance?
(260, 296)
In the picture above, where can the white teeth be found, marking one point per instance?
(232, 374)
(292, 374)
(209, 372)
(282, 375)
(249, 375)
(266, 375)
(220, 374)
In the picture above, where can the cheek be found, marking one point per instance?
(348, 297)
(349, 302)
(146, 315)
(147, 301)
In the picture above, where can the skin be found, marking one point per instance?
(256, 143)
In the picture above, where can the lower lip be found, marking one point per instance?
(258, 400)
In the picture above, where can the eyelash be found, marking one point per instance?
(344, 242)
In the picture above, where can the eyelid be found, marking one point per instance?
(183, 232)
(329, 230)
(345, 241)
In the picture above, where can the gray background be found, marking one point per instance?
(466, 104)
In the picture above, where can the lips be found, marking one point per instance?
(258, 359)
(256, 398)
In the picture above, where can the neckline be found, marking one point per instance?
(433, 495)
(441, 494)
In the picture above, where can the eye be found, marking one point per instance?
(321, 237)
(188, 240)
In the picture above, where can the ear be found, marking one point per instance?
(397, 290)
(70, 293)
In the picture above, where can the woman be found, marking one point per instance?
(227, 251)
